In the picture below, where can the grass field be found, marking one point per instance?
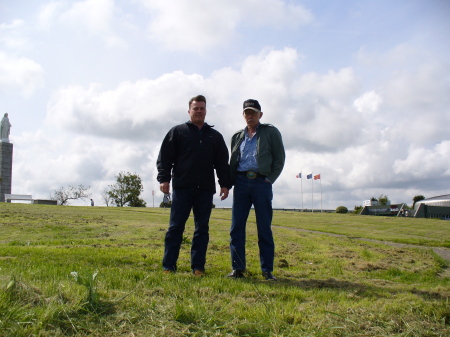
(96, 271)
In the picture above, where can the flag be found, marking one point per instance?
(299, 175)
(317, 176)
(309, 176)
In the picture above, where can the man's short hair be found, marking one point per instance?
(198, 98)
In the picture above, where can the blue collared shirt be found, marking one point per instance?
(248, 161)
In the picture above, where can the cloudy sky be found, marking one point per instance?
(359, 89)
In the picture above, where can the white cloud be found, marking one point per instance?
(424, 162)
(369, 102)
(11, 36)
(275, 13)
(420, 88)
(342, 83)
(399, 57)
(419, 97)
(191, 25)
(320, 107)
(133, 109)
(199, 25)
(130, 111)
(270, 68)
(86, 160)
(323, 107)
(48, 13)
(96, 15)
(19, 73)
(97, 18)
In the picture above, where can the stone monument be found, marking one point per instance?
(6, 155)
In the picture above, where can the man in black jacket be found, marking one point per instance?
(189, 154)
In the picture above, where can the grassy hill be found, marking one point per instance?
(96, 271)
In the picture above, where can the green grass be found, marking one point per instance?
(327, 285)
(427, 232)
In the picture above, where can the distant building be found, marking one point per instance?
(374, 202)
(435, 207)
(370, 203)
(442, 200)
(386, 210)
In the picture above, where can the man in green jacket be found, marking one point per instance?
(257, 159)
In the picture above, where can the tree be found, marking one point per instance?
(126, 190)
(417, 198)
(342, 209)
(357, 209)
(63, 194)
(106, 197)
(383, 199)
(165, 204)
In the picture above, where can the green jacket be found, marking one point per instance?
(270, 151)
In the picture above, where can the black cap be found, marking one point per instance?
(252, 104)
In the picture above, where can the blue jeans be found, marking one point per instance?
(183, 200)
(248, 192)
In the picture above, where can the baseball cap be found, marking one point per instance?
(252, 104)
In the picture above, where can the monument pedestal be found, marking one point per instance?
(6, 156)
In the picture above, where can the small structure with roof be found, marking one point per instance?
(435, 207)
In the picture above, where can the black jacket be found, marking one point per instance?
(189, 156)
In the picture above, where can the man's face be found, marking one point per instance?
(252, 117)
(197, 112)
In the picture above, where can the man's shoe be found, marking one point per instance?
(269, 276)
(168, 271)
(236, 274)
(199, 273)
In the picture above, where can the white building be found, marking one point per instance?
(372, 202)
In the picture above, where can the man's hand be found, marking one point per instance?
(164, 187)
(223, 193)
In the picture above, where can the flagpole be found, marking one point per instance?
(312, 194)
(301, 190)
(321, 210)
(317, 176)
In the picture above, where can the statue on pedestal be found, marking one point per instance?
(5, 128)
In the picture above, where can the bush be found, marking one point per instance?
(357, 210)
(165, 204)
(341, 209)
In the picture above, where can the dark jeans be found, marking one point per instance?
(183, 200)
(248, 192)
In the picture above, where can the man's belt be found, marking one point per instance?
(251, 174)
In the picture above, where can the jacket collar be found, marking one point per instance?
(204, 125)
